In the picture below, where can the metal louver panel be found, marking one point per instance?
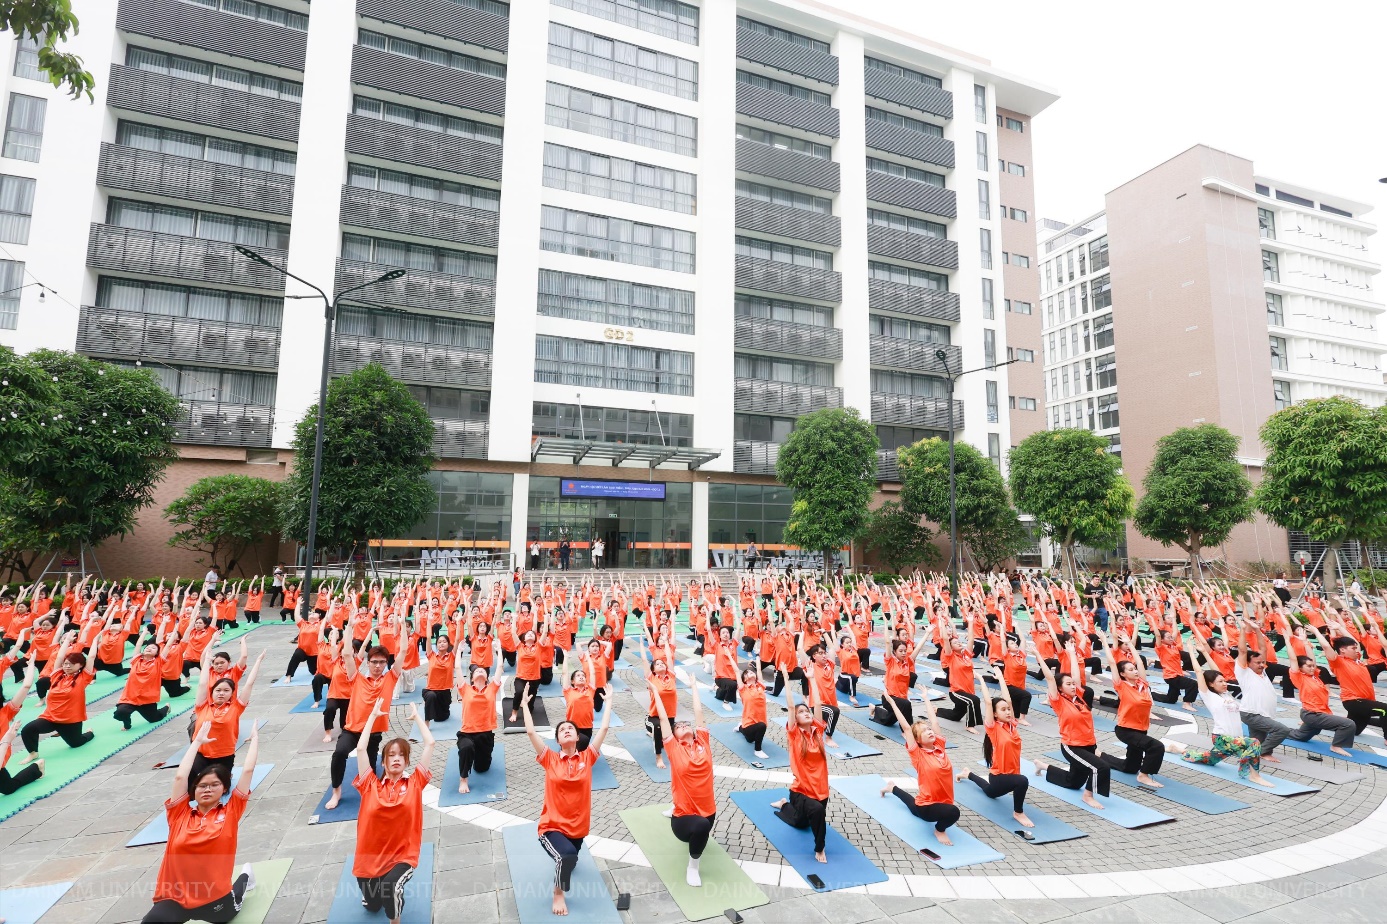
(888, 465)
(173, 255)
(416, 363)
(754, 457)
(398, 74)
(792, 166)
(916, 248)
(770, 336)
(368, 208)
(441, 17)
(460, 439)
(195, 180)
(784, 109)
(911, 194)
(912, 300)
(913, 355)
(468, 295)
(409, 145)
(785, 399)
(787, 56)
(908, 142)
(914, 411)
(213, 30)
(785, 221)
(761, 275)
(202, 103)
(137, 335)
(218, 424)
(910, 93)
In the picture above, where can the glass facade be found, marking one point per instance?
(472, 518)
(637, 533)
(742, 513)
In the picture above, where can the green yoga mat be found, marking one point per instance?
(269, 876)
(725, 885)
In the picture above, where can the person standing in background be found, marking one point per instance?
(565, 550)
(277, 586)
(599, 549)
(534, 554)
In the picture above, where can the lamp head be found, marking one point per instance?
(391, 276)
(251, 255)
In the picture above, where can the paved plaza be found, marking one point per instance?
(1315, 857)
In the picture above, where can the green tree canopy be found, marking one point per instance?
(1073, 487)
(830, 463)
(987, 524)
(377, 452)
(1195, 490)
(223, 516)
(996, 538)
(1326, 473)
(49, 22)
(898, 538)
(82, 447)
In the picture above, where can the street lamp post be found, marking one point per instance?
(330, 313)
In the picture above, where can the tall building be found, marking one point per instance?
(1221, 296)
(641, 237)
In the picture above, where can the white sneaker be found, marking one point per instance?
(727, 707)
(762, 754)
(691, 875)
(668, 813)
(250, 877)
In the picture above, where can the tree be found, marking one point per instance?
(1195, 491)
(48, 22)
(83, 446)
(898, 538)
(1073, 487)
(224, 516)
(987, 524)
(1326, 473)
(377, 452)
(830, 462)
(996, 538)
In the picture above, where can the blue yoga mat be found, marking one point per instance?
(713, 707)
(849, 747)
(483, 787)
(1201, 800)
(615, 722)
(1119, 811)
(157, 831)
(731, 738)
(1228, 770)
(171, 762)
(303, 677)
(892, 814)
(404, 697)
(532, 883)
(602, 775)
(892, 731)
(346, 902)
(1048, 828)
(846, 866)
(444, 730)
(26, 906)
(643, 750)
(1357, 756)
(305, 705)
(348, 808)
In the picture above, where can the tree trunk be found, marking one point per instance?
(1194, 548)
(1068, 565)
(1331, 567)
(828, 563)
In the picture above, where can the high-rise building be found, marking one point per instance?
(640, 236)
(1206, 292)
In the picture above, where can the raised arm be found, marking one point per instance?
(600, 735)
(1045, 670)
(178, 789)
(248, 768)
(536, 741)
(666, 730)
(1198, 674)
(697, 703)
(910, 744)
(247, 686)
(363, 759)
(425, 736)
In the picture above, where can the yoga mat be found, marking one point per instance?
(846, 866)
(1041, 725)
(532, 883)
(348, 808)
(892, 732)
(157, 831)
(602, 775)
(403, 697)
(483, 787)
(444, 730)
(1315, 770)
(269, 877)
(1227, 770)
(1356, 756)
(1201, 800)
(538, 716)
(346, 902)
(26, 906)
(1048, 828)
(315, 743)
(731, 738)
(642, 749)
(849, 747)
(303, 677)
(306, 705)
(725, 884)
(714, 708)
(170, 763)
(1119, 811)
(892, 814)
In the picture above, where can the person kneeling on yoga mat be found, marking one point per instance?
(1225, 731)
(691, 781)
(934, 773)
(390, 825)
(66, 706)
(194, 882)
(807, 806)
(477, 734)
(377, 682)
(899, 666)
(957, 660)
(142, 685)
(1078, 743)
(753, 695)
(566, 816)
(1144, 753)
(1001, 750)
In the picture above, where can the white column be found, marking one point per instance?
(698, 559)
(519, 515)
(315, 240)
(854, 372)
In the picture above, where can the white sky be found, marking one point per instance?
(1299, 88)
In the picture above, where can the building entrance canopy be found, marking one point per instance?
(576, 451)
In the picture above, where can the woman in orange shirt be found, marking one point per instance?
(390, 825)
(578, 699)
(255, 595)
(332, 671)
(566, 817)
(527, 671)
(807, 806)
(1012, 665)
(691, 780)
(849, 667)
(142, 685)
(66, 704)
(659, 681)
(306, 649)
(377, 682)
(1001, 750)
(934, 773)
(477, 733)
(201, 852)
(221, 702)
(1144, 753)
(1078, 743)
(725, 666)
(957, 661)
(443, 663)
(753, 694)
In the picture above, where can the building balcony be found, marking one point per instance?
(911, 93)
(784, 109)
(467, 295)
(911, 194)
(888, 465)
(120, 334)
(393, 73)
(758, 275)
(174, 256)
(753, 457)
(767, 336)
(214, 423)
(785, 221)
(368, 208)
(907, 142)
(915, 248)
(406, 144)
(212, 30)
(450, 20)
(191, 180)
(460, 439)
(913, 355)
(415, 363)
(202, 103)
(932, 304)
(915, 411)
(783, 399)
(787, 56)
(791, 166)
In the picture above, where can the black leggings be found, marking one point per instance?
(564, 850)
(386, 893)
(301, 657)
(1280, 670)
(437, 705)
(201, 762)
(220, 911)
(864, 658)
(652, 722)
(70, 732)
(1020, 700)
(803, 812)
(319, 684)
(1144, 753)
(940, 814)
(120, 670)
(727, 689)
(1086, 770)
(346, 744)
(1365, 712)
(965, 706)
(883, 715)
(474, 750)
(832, 721)
(755, 733)
(338, 706)
(150, 712)
(174, 688)
(796, 674)
(599, 695)
(999, 784)
(253, 616)
(1176, 685)
(522, 689)
(693, 830)
(25, 776)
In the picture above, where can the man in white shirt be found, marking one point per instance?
(210, 581)
(599, 548)
(277, 587)
(534, 555)
(1258, 701)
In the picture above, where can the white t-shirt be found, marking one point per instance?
(1225, 710)
(598, 548)
(1258, 694)
(210, 578)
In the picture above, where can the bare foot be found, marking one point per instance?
(1146, 779)
(1268, 758)
(961, 776)
(820, 857)
(1040, 767)
(853, 700)
(971, 730)
(830, 742)
(1340, 751)
(1173, 747)
(29, 758)
(1258, 780)
(778, 804)
(512, 719)
(38, 763)
(1022, 720)
(886, 791)
(327, 736)
(1189, 707)
(462, 786)
(560, 907)
(660, 761)
(943, 838)
(1091, 802)
(1022, 820)
(336, 798)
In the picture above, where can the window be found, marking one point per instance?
(781, 86)
(1015, 125)
(1276, 317)
(615, 301)
(895, 70)
(163, 140)
(1049, 276)
(423, 187)
(440, 56)
(1069, 260)
(771, 309)
(1023, 404)
(1279, 359)
(789, 143)
(787, 197)
(24, 127)
(1102, 332)
(993, 411)
(1281, 394)
(1105, 370)
(216, 74)
(1271, 263)
(1107, 411)
(618, 239)
(774, 369)
(909, 383)
(619, 366)
(160, 298)
(984, 199)
(922, 279)
(1087, 340)
(988, 305)
(1082, 261)
(1102, 292)
(1016, 259)
(1098, 254)
(982, 151)
(225, 386)
(261, 11)
(1266, 223)
(1053, 352)
(444, 403)
(909, 223)
(622, 61)
(11, 281)
(980, 103)
(1018, 307)
(1015, 169)
(1021, 356)
(985, 243)
(1018, 214)
(1291, 197)
(16, 207)
(669, 18)
(423, 118)
(1262, 190)
(899, 437)
(877, 165)
(414, 329)
(989, 347)
(783, 253)
(900, 121)
(621, 120)
(421, 257)
(210, 226)
(618, 178)
(761, 428)
(994, 449)
(907, 329)
(785, 35)
(26, 58)
(741, 513)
